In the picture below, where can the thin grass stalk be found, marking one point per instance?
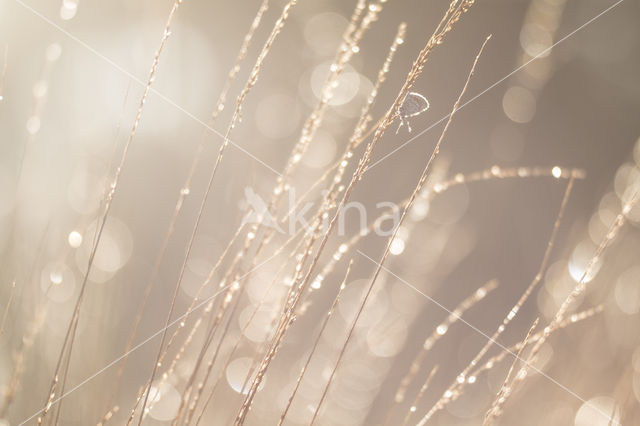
(188, 400)
(185, 189)
(333, 191)
(417, 189)
(197, 323)
(454, 388)
(253, 79)
(330, 198)
(505, 390)
(69, 339)
(185, 400)
(491, 362)
(314, 120)
(153, 278)
(580, 286)
(430, 192)
(295, 295)
(315, 343)
(7, 306)
(439, 332)
(351, 38)
(285, 321)
(418, 397)
(28, 339)
(416, 70)
(238, 284)
(494, 360)
(240, 338)
(228, 297)
(335, 188)
(112, 159)
(211, 363)
(39, 102)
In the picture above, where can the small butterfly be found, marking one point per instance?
(413, 104)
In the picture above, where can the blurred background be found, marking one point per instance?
(70, 94)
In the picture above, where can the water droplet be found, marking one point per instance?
(75, 239)
(397, 246)
(33, 125)
(55, 277)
